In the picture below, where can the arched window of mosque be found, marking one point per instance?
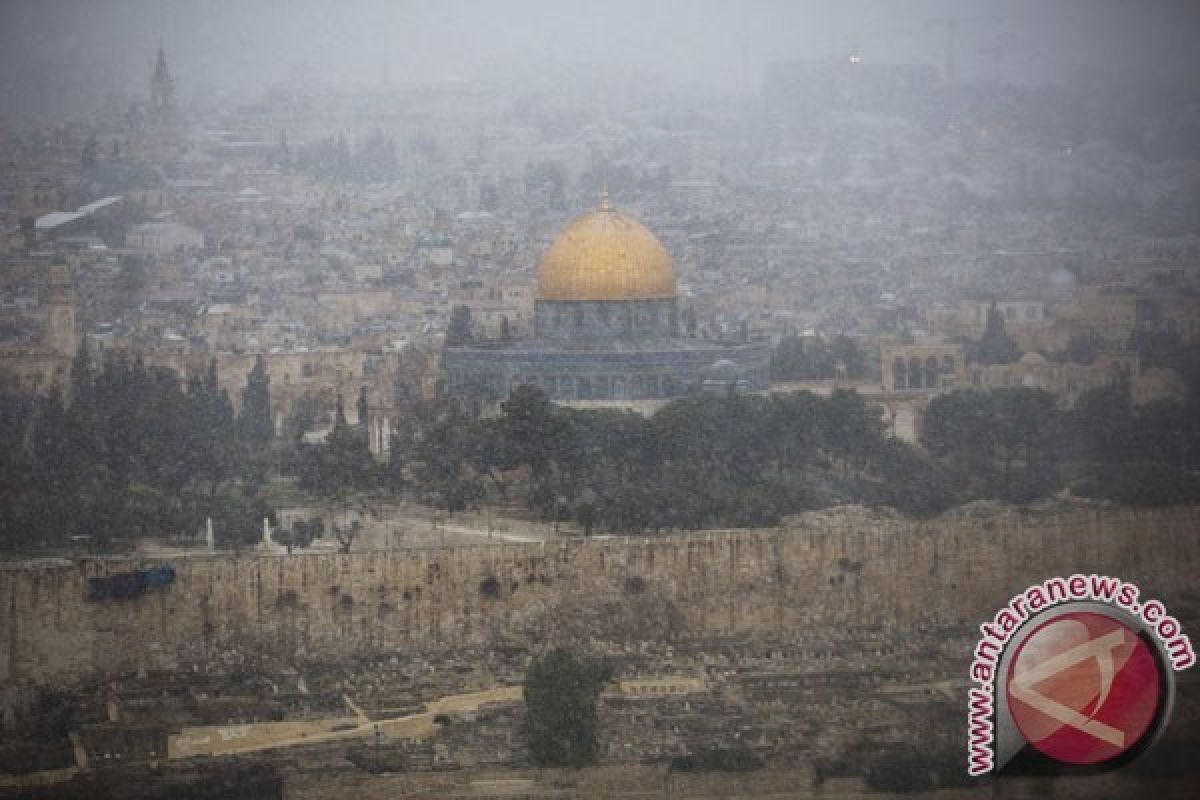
(931, 372)
(947, 365)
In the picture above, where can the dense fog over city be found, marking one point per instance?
(558, 399)
(65, 57)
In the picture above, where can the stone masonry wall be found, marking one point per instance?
(776, 582)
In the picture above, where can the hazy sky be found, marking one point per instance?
(60, 56)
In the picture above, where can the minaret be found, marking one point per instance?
(60, 335)
(162, 87)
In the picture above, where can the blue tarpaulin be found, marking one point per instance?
(129, 585)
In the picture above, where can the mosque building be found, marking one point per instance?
(607, 327)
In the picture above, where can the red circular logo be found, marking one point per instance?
(1083, 688)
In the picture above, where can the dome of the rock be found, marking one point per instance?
(605, 255)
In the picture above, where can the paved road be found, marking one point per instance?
(504, 537)
(228, 740)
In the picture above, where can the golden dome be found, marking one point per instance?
(606, 255)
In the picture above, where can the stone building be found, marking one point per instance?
(160, 238)
(607, 326)
(1176, 313)
(1068, 381)
(48, 364)
(922, 366)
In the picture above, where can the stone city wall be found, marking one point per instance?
(823, 571)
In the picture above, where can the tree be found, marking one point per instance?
(132, 455)
(212, 428)
(238, 518)
(812, 358)
(851, 429)
(1006, 439)
(1101, 423)
(254, 424)
(447, 455)
(530, 423)
(458, 331)
(995, 346)
(1026, 426)
(845, 351)
(341, 464)
(301, 534)
(561, 688)
(363, 408)
(958, 425)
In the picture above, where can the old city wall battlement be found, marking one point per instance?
(811, 576)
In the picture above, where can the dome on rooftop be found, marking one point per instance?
(603, 255)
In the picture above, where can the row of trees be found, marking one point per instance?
(134, 453)
(704, 460)
(733, 460)
(1016, 445)
(812, 358)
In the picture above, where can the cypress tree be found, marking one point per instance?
(254, 424)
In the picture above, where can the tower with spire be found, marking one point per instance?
(162, 88)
